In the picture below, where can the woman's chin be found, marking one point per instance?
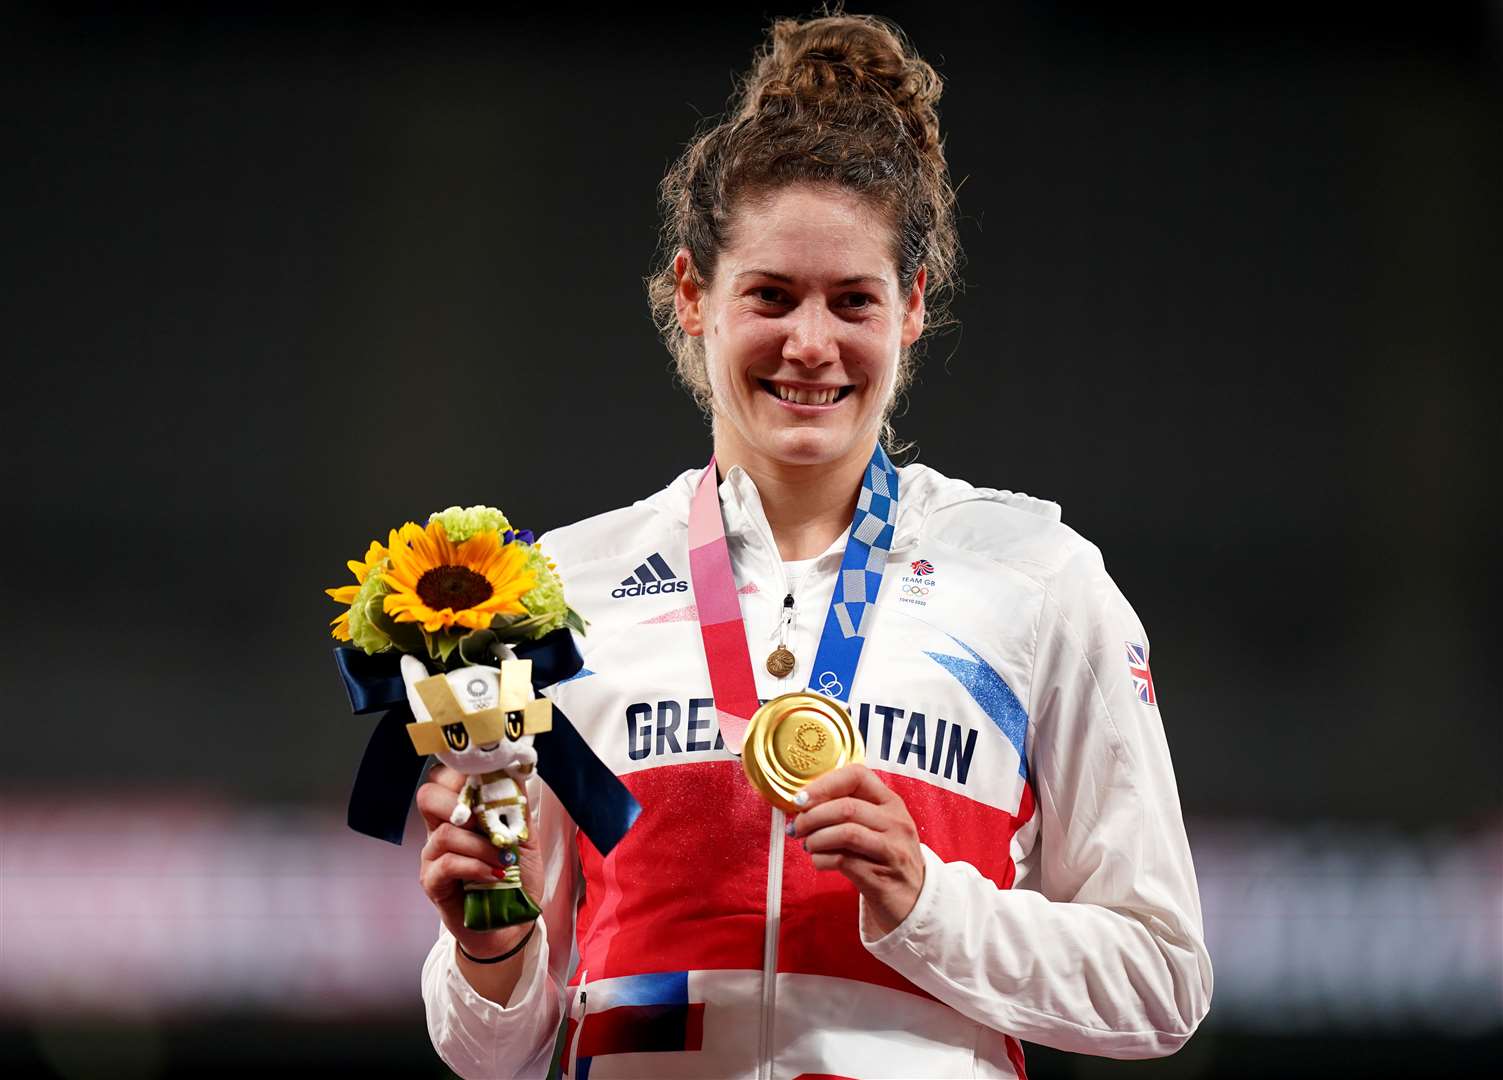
(776, 436)
(808, 446)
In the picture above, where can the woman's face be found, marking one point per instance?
(802, 326)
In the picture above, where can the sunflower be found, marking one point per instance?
(345, 594)
(441, 584)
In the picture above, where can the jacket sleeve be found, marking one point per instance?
(481, 1039)
(1103, 951)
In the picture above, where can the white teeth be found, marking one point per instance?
(805, 397)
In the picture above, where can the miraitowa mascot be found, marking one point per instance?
(480, 721)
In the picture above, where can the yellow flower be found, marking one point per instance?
(440, 585)
(345, 594)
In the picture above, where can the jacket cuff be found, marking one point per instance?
(530, 988)
(472, 1033)
(887, 947)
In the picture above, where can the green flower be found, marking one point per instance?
(366, 608)
(545, 600)
(462, 522)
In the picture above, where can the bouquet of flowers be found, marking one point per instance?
(449, 590)
(452, 599)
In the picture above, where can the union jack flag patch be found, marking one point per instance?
(1142, 679)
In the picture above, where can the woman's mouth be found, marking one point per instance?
(806, 396)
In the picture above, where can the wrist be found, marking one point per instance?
(888, 913)
(492, 947)
(884, 912)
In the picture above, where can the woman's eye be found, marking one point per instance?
(858, 300)
(768, 295)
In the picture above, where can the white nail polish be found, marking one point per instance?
(801, 799)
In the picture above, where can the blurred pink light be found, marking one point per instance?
(186, 907)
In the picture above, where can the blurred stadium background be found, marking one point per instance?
(1232, 300)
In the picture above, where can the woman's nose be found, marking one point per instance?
(811, 339)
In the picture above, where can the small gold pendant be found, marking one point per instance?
(779, 662)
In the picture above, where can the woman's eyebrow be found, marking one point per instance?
(858, 279)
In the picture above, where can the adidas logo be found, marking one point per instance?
(652, 577)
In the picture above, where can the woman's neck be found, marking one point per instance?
(808, 506)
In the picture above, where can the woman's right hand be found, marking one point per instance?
(454, 855)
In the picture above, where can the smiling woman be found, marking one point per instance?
(974, 835)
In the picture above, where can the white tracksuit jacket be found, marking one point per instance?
(999, 694)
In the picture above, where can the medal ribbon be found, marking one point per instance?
(846, 623)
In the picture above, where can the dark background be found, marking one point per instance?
(272, 285)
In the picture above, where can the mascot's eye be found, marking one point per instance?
(456, 736)
(514, 724)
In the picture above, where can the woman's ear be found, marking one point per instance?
(913, 314)
(688, 297)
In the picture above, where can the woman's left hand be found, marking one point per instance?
(854, 823)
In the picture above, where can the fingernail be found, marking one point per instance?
(801, 799)
(789, 828)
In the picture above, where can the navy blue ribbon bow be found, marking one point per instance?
(390, 771)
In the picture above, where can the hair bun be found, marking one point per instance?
(832, 60)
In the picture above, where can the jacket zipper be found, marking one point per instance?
(770, 943)
(773, 907)
(774, 902)
(573, 1055)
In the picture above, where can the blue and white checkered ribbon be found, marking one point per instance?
(866, 548)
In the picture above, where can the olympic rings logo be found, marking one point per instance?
(829, 684)
(915, 590)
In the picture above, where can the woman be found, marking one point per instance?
(1011, 862)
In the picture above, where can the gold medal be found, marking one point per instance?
(795, 739)
(780, 662)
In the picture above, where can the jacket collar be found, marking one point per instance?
(922, 491)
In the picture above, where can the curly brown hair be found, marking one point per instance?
(839, 100)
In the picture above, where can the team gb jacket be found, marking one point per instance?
(1004, 694)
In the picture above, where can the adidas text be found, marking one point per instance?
(636, 588)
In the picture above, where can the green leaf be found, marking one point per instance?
(444, 646)
(475, 647)
(407, 637)
(574, 621)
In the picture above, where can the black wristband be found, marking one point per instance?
(507, 955)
